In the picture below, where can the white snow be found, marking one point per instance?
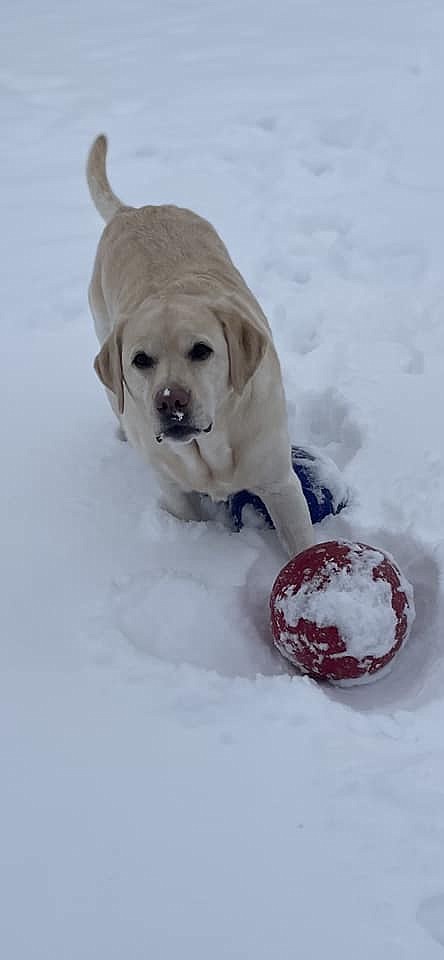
(168, 789)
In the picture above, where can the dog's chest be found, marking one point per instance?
(211, 470)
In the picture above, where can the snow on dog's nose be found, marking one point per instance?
(172, 403)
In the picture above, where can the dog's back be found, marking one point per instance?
(156, 249)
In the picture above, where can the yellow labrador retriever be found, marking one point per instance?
(188, 360)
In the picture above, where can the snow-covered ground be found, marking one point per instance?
(167, 788)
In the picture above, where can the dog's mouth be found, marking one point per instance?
(181, 432)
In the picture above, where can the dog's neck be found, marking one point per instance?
(208, 464)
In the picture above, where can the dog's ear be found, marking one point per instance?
(108, 365)
(246, 338)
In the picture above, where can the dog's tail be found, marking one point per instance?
(102, 195)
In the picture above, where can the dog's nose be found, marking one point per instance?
(172, 401)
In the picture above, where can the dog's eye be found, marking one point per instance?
(142, 361)
(200, 351)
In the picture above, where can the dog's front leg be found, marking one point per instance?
(184, 506)
(289, 512)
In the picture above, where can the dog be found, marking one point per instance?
(188, 360)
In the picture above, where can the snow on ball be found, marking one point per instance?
(340, 611)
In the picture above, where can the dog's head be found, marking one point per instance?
(178, 358)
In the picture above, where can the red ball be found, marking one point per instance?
(340, 611)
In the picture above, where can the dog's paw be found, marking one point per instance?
(120, 434)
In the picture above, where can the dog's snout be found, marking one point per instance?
(172, 401)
